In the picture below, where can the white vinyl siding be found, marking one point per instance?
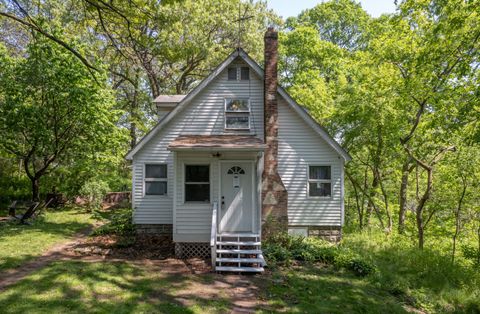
(204, 115)
(299, 147)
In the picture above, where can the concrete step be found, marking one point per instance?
(240, 269)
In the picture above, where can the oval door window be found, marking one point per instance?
(236, 171)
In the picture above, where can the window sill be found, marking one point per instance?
(322, 198)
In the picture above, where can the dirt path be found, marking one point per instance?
(240, 291)
(57, 252)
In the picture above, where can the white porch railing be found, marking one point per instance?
(213, 235)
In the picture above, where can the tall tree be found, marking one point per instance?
(51, 107)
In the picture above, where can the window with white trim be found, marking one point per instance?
(156, 179)
(235, 73)
(197, 183)
(320, 181)
(237, 114)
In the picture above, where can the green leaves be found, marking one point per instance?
(53, 110)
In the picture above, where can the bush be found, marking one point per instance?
(94, 191)
(120, 224)
(471, 253)
(283, 249)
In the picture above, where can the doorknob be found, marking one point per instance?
(223, 201)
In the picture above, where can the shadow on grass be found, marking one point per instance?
(424, 278)
(20, 243)
(43, 225)
(321, 289)
(79, 287)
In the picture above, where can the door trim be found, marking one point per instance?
(253, 169)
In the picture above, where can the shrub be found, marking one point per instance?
(282, 249)
(119, 224)
(472, 253)
(94, 191)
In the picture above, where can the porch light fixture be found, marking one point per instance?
(217, 155)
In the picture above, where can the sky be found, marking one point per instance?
(287, 8)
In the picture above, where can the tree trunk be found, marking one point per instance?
(371, 205)
(403, 196)
(387, 209)
(420, 229)
(35, 189)
(421, 206)
(478, 251)
(133, 135)
(359, 209)
(458, 220)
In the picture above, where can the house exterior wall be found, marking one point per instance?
(204, 115)
(299, 147)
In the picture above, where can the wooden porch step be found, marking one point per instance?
(240, 269)
(246, 235)
(239, 260)
(238, 243)
(239, 251)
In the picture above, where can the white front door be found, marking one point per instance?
(237, 197)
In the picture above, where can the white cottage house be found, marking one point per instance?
(236, 157)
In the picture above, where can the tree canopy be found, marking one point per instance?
(400, 92)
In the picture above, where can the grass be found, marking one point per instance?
(21, 243)
(110, 287)
(405, 278)
(321, 289)
(424, 279)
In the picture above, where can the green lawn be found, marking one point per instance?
(110, 287)
(123, 287)
(425, 279)
(20, 243)
(317, 289)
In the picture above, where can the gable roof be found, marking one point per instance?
(239, 52)
(168, 99)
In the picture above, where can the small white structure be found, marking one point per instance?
(200, 174)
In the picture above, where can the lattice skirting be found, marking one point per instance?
(188, 250)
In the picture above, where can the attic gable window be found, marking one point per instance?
(244, 73)
(232, 74)
(237, 114)
(238, 73)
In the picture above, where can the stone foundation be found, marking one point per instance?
(329, 233)
(165, 229)
(189, 249)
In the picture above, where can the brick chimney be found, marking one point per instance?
(274, 194)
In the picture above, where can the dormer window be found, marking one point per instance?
(238, 73)
(237, 114)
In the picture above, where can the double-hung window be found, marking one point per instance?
(156, 179)
(197, 183)
(320, 181)
(237, 114)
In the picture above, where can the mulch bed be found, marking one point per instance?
(126, 247)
